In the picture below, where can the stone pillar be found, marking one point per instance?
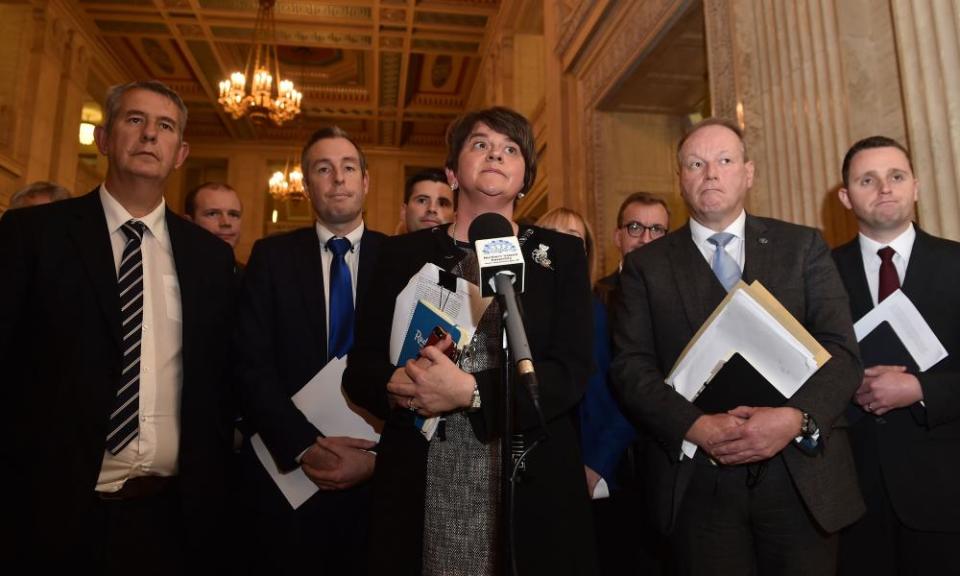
(65, 145)
(928, 47)
(41, 118)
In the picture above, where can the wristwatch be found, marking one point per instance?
(808, 426)
(475, 399)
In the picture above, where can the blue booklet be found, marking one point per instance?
(425, 318)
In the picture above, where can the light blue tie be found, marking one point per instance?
(724, 266)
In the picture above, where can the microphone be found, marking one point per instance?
(501, 273)
(498, 251)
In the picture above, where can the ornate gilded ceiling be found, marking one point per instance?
(392, 72)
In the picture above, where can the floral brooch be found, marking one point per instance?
(541, 257)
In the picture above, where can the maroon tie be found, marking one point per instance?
(889, 281)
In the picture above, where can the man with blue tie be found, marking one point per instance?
(113, 351)
(905, 424)
(296, 314)
(771, 481)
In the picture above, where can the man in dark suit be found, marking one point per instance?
(296, 314)
(751, 500)
(113, 338)
(905, 424)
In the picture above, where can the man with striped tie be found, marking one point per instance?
(115, 440)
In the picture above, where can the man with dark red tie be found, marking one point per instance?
(905, 425)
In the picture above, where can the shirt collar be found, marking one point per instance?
(902, 244)
(324, 234)
(701, 233)
(117, 216)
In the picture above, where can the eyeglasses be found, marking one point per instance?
(636, 229)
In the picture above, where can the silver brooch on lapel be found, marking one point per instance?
(541, 257)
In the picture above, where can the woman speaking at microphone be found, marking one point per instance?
(437, 506)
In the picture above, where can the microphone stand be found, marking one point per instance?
(506, 459)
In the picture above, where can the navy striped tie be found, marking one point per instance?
(124, 426)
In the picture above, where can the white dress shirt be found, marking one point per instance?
(902, 245)
(735, 248)
(154, 451)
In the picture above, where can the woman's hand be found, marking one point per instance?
(433, 384)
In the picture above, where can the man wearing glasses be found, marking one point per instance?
(642, 219)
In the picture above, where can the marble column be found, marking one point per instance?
(66, 144)
(783, 63)
(49, 46)
(928, 47)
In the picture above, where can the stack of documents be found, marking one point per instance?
(434, 297)
(752, 323)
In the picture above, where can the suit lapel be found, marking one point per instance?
(693, 277)
(922, 267)
(309, 266)
(189, 276)
(758, 253)
(369, 245)
(89, 231)
(850, 265)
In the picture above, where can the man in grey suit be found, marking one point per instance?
(772, 479)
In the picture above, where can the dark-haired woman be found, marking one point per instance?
(437, 506)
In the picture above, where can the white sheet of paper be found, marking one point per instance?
(743, 326)
(327, 407)
(917, 337)
(296, 487)
(323, 402)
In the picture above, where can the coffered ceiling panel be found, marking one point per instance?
(391, 72)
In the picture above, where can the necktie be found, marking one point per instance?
(341, 299)
(123, 420)
(724, 266)
(889, 280)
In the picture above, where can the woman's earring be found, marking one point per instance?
(521, 194)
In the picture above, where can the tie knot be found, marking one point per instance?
(886, 254)
(721, 239)
(133, 229)
(339, 246)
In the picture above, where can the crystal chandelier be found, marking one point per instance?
(262, 101)
(288, 184)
